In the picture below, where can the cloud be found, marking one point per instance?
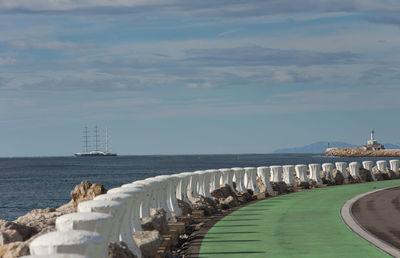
(7, 61)
(43, 44)
(391, 20)
(256, 56)
(207, 8)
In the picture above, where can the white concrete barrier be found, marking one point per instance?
(301, 172)
(368, 165)
(382, 165)
(137, 194)
(394, 165)
(276, 174)
(90, 221)
(215, 178)
(264, 174)
(354, 168)
(250, 179)
(81, 242)
(227, 176)
(193, 186)
(115, 209)
(203, 186)
(288, 172)
(341, 166)
(239, 179)
(148, 200)
(315, 169)
(166, 195)
(328, 168)
(182, 191)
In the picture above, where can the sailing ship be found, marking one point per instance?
(96, 152)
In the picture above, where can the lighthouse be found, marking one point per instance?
(373, 144)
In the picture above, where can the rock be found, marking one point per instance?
(390, 174)
(208, 205)
(148, 242)
(299, 183)
(185, 207)
(86, 191)
(244, 197)
(14, 249)
(260, 184)
(156, 221)
(230, 202)
(14, 235)
(360, 152)
(337, 177)
(377, 174)
(223, 192)
(24, 231)
(365, 175)
(326, 177)
(40, 219)
(279, 187)
(4, 238)
(251, 192)
(67, 208)
(119, 251)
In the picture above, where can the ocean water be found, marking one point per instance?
(32, 183)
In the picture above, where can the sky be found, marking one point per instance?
(197, 77)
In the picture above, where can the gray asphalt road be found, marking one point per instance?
(379, 214)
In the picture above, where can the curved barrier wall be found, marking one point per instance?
(114, 216)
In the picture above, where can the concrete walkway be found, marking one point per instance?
(303, 224)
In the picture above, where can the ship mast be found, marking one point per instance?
(96, 137)
(106, 139)
(86, 139)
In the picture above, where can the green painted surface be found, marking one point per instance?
(302, 224)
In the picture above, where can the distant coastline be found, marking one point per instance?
(359, 152)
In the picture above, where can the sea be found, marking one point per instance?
(41, 182)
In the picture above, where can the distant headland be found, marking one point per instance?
(372, 149)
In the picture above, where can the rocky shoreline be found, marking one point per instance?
(359, 152)
(182, 236)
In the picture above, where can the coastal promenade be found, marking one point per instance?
(302, 224)
(305, 223)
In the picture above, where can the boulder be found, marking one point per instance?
(377, 174)
(86, 191)
(185, 207)
(223, 192)
(40, 219)
(390, 174)
(337, 177)
(17, 231)
(14, 249)
(14, 235)
(279, 187)
(244, 197)
(230, 202)
(325, 177)
(4, 238)
(208, 205)
(119, 251)
(156, 221)
(365, 175)
(299, 183)
(148, 242)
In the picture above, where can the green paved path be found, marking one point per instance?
(302, 224)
